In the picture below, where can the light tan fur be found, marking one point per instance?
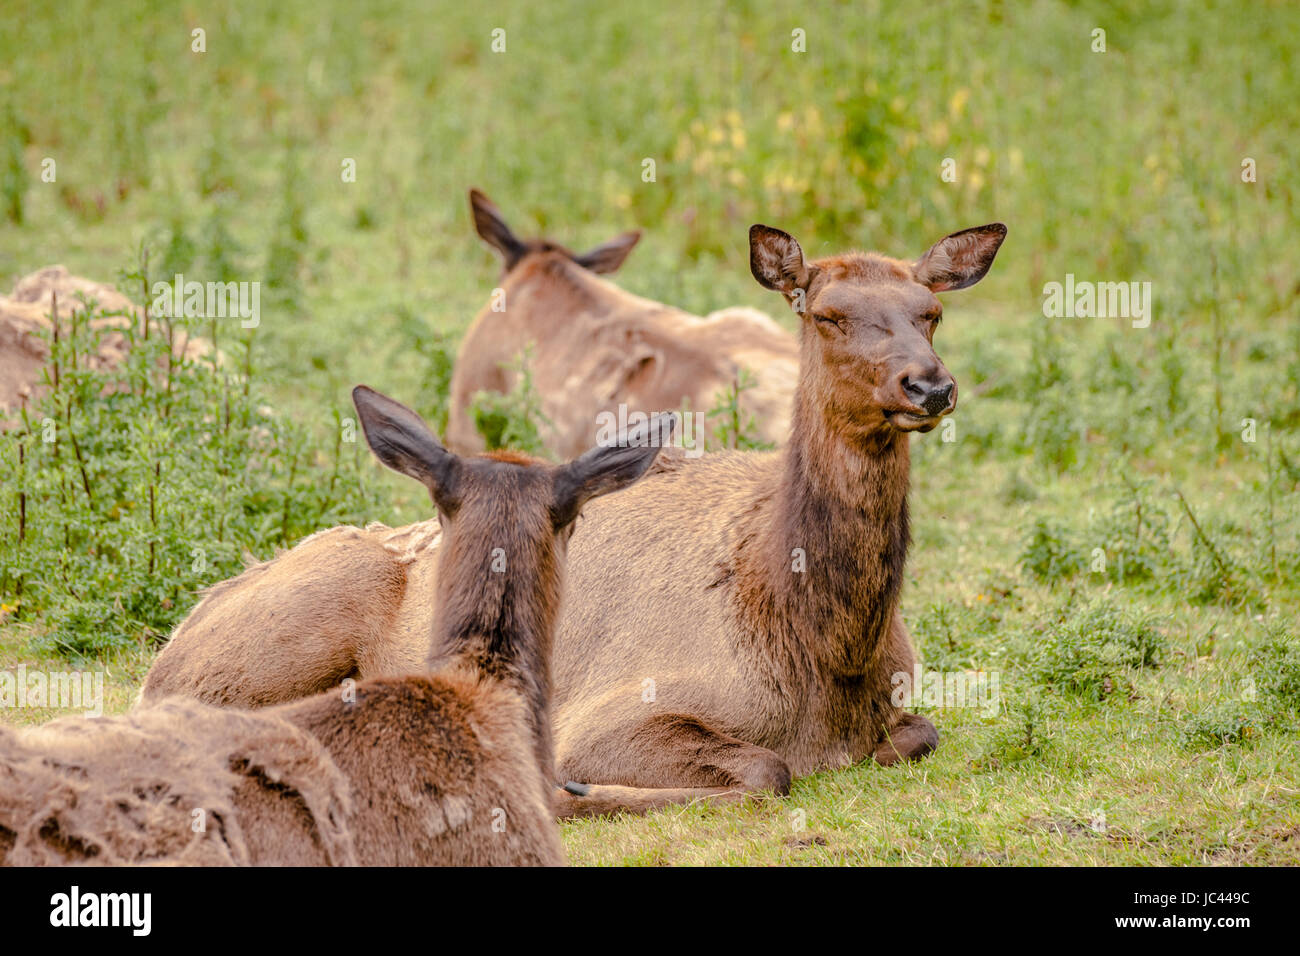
(595, 346)
(26, 321)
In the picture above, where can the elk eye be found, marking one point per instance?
(827, 320)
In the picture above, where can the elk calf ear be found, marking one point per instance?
(960, 260)
(605, 469)
(608, 256)
(776, 260)
(491, 226)
(401, 440)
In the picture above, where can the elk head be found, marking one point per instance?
(869, 322)
(492, 227)
(506, 518)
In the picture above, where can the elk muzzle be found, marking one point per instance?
(935, 398)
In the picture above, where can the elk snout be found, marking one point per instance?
(935, 395)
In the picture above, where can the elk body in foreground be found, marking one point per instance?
(594, 346)
(452, 766)
(732, 621)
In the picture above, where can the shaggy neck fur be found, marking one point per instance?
(842, 498)
(501, 624)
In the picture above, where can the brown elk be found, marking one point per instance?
(593, 346)
(768, 621)
(452, 766)
(475, 734)
(732, 620)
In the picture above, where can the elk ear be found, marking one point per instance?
(605, 469)
(492, 228)
(608, 256)
(401, 440)
(960, 260)
(776, 260)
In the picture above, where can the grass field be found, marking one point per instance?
(1111, 530)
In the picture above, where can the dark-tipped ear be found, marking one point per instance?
(491, 225)
(777, 262)
(402, 441)
(608, 256)
(960, 260)
(609, 468)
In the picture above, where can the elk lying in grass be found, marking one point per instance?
(769, 622)
(453, 766)
(732, 621)
(594, 346)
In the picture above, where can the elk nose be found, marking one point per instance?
(933, 397)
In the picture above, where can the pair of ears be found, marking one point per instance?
(954, 262)
(494, 230)
(775, 257)
(402, 441)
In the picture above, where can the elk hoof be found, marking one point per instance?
(911, 738)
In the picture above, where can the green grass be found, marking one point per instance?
(1072, 435)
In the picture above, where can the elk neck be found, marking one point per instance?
(840, 497)
(500, 624)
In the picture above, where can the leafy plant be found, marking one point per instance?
(1227, 722)
(1049, 552)
(288, 250)
(1025, 733)
(138, 483)
(435, 353)
(1093, 652)
(1212, 574)
(512, 419)
(1275, 662)
(736, 426)
(1133, 533)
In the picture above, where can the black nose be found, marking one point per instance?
(936, 402)
(933, 398)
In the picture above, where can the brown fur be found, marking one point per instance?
(123, 790)
(759, 671)
(413, 772)
(596, 347)
(443, 769)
